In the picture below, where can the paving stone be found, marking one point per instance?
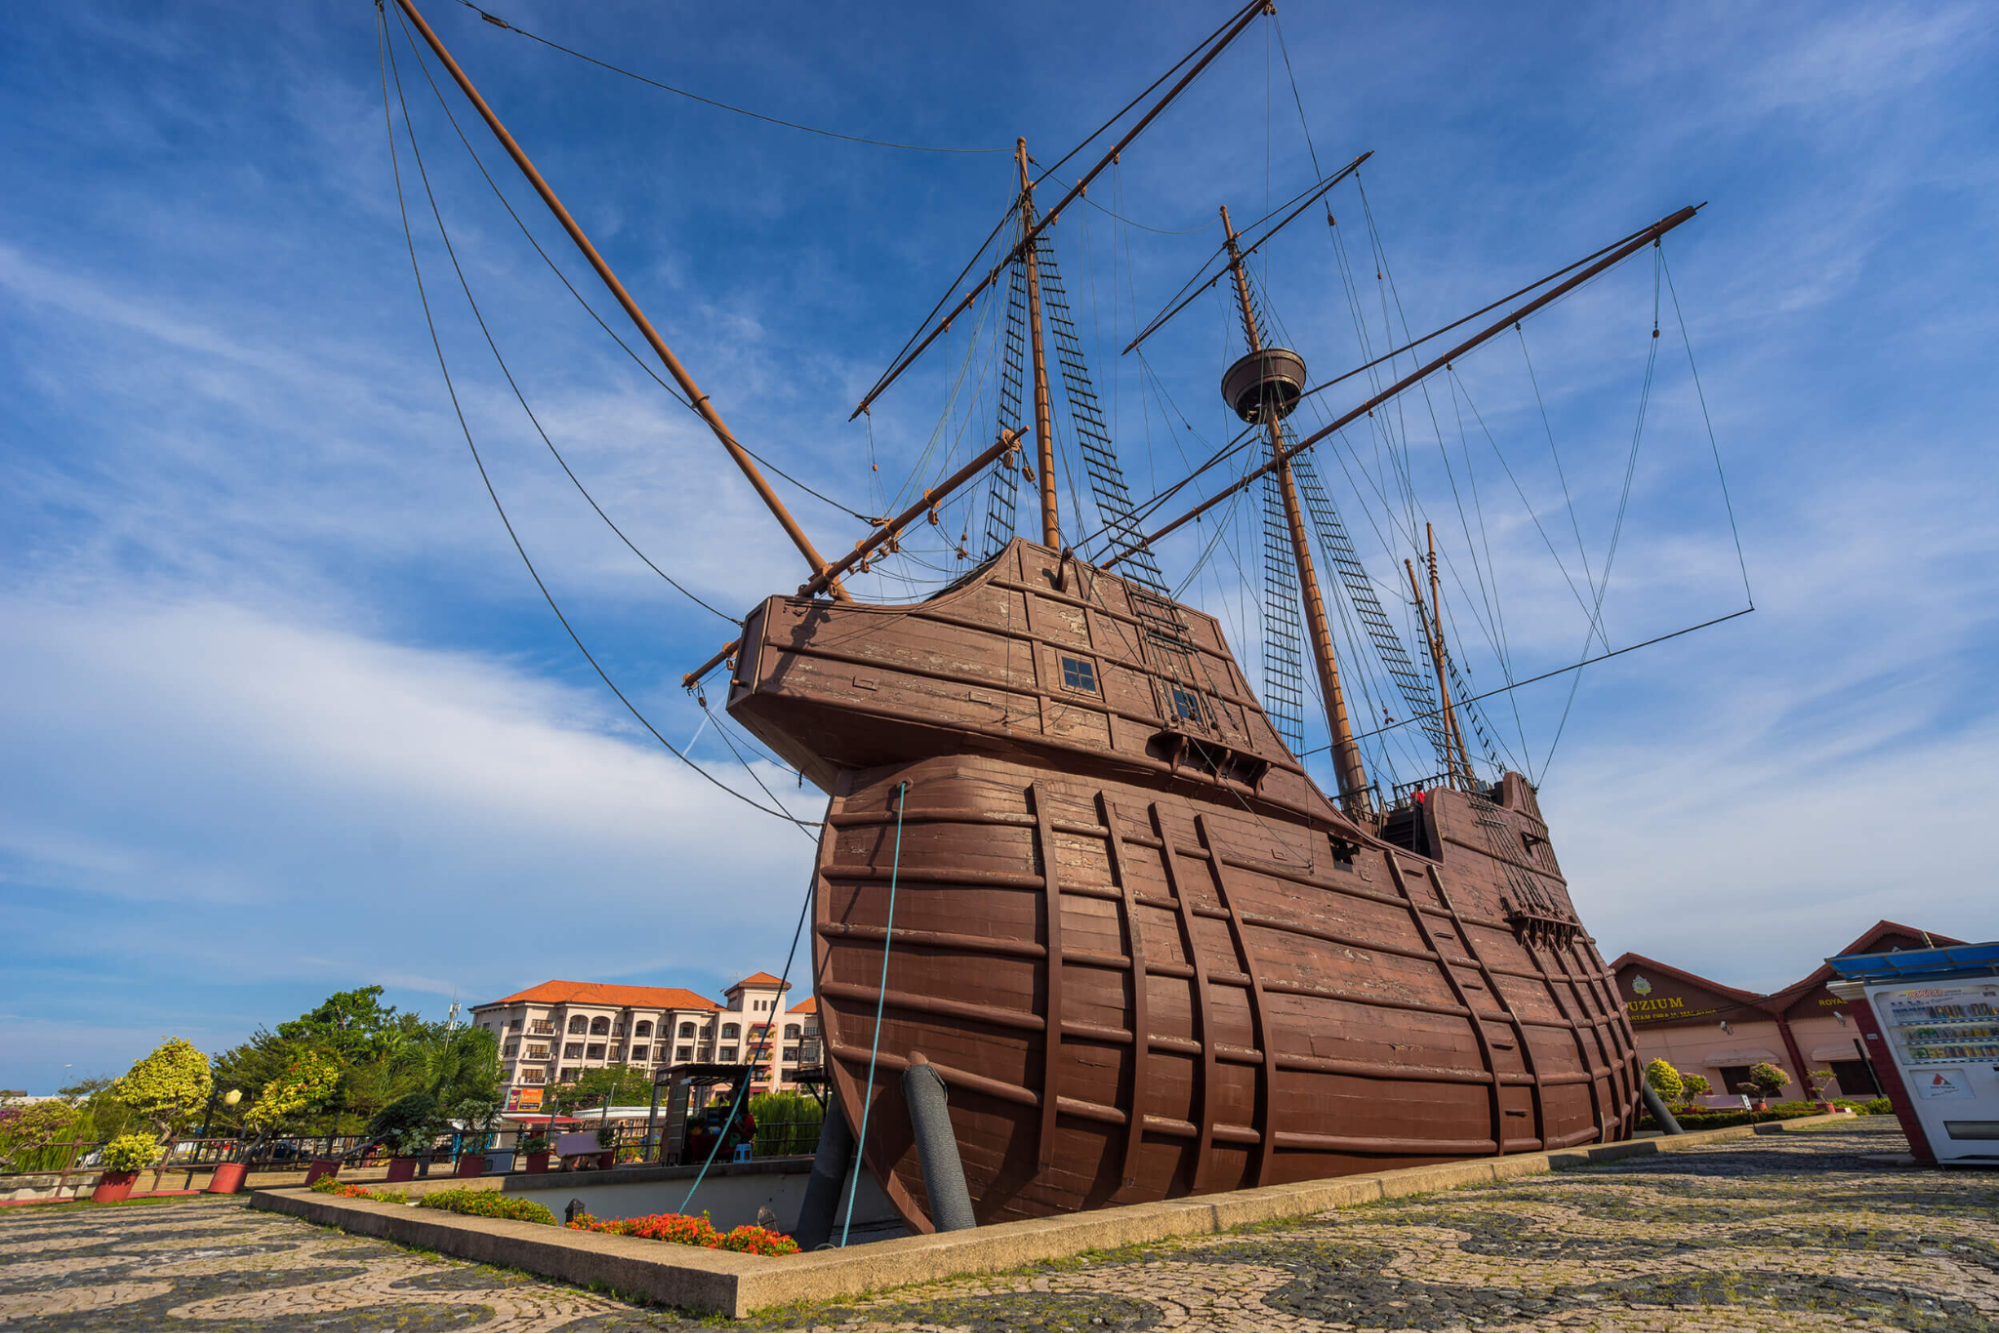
(1783, 1232)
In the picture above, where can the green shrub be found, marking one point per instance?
(1661, 1075)
(129, 1153)
(408, 1125)
(1878, 1107)
(1785, 1111)
(165, 1087)
(787, 1123)
(488, 1204)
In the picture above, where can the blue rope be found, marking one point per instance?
(881, 996)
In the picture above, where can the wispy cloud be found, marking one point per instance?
(284, 712)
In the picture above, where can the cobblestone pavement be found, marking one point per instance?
(1778, 1232)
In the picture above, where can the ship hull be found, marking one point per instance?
(1155, 962)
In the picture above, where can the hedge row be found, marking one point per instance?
(1783, 1111)
(488, 1204)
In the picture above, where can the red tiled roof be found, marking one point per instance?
(605, 993)
(810, 1005)
(760, 980)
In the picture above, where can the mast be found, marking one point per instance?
(1210, 47)
(695, 397)
(1044, 435)
(1347, 763)
(1456, 758)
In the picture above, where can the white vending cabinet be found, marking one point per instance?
(1944, 1035)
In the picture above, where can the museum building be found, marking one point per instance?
(1703, 1027)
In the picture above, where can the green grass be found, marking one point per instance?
(126, 1203)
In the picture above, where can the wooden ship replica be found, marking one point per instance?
(1072, 862)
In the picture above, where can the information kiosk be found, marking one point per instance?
(1932, 1017)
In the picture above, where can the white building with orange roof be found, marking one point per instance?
(550, 1034)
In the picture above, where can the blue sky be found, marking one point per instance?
(284, 714)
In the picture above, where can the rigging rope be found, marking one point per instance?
(499, 22)
(672, 391)
(1708, 421)
(881, 999)
(1132, 222)
(385, 52)
(535, 421)
(1623, 504)
(770, 1028)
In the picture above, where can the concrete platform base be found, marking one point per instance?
(736, 1285)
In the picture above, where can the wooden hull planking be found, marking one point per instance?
(1147, 955)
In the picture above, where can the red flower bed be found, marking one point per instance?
(347, 1191)
(687, 1230)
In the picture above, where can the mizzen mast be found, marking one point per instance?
(1263, 387)
(697, 399)
(1044, 433)
(1431, 612)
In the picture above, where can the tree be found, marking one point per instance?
(302, 1090)
(377, 1049)
(408, 1125)
(351, 1024)
(166, 1087)
(459, 1064)
(100, 1114)
(1767, 1079)
(1692, 1086)
(624, 1085)
(27, 1131)
(1661, 1075)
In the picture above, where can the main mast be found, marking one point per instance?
(1044, 434)
(1270, 408)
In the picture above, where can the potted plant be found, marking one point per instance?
(1692, 1087)
(536, 1148)
(477, 1112)
(1821, 1078)
(1766, 1081)
(407, 1126)
(165, 1087)
(607, 1140)
(122, 1160)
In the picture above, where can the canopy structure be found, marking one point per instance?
(523, 1119)
(1916, 963)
